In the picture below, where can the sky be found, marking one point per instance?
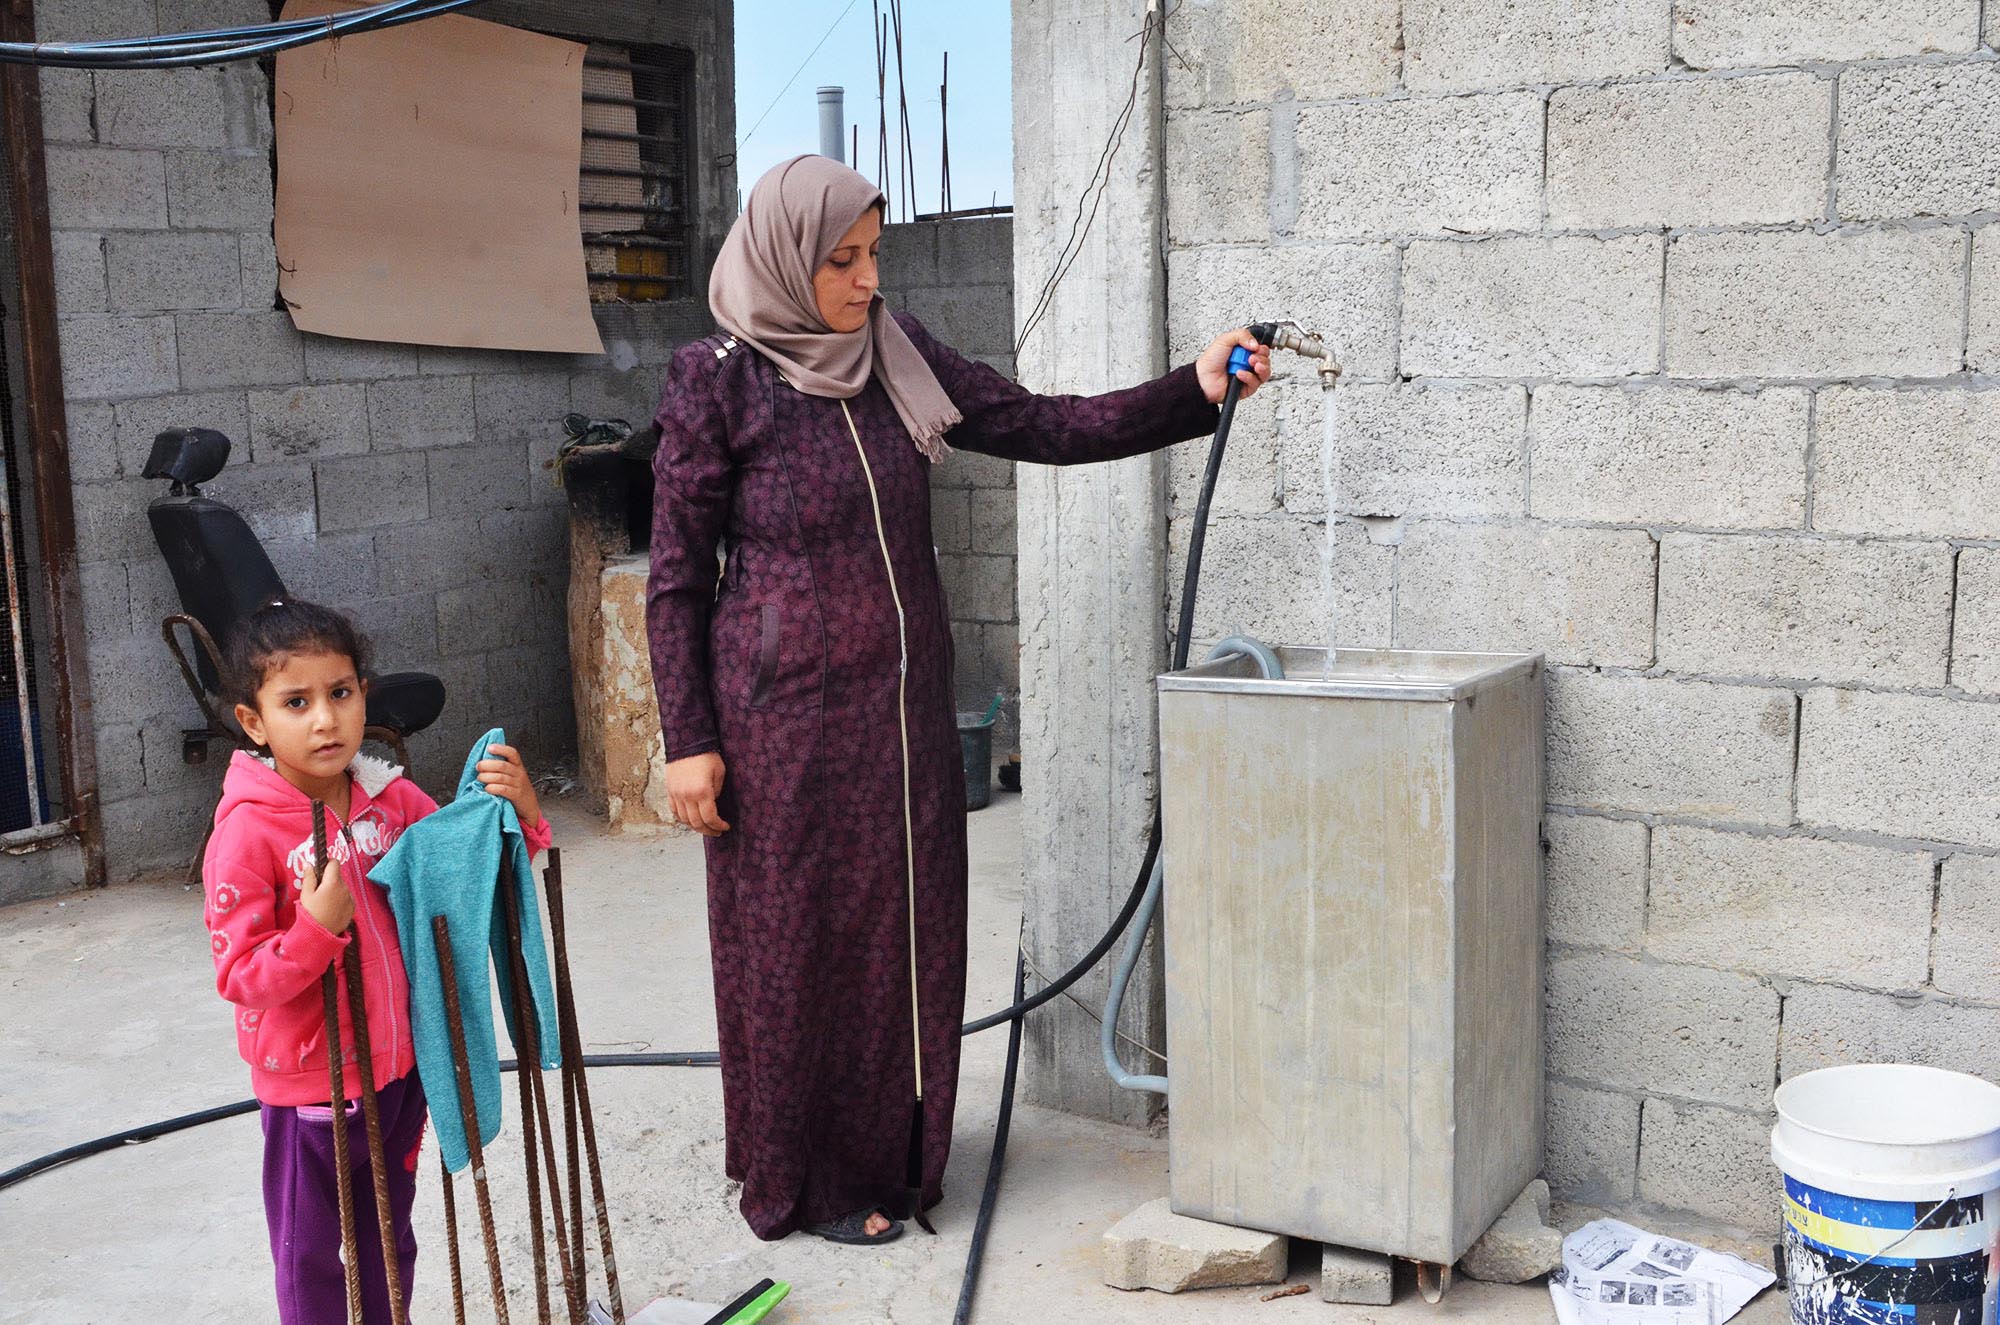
(774, 36)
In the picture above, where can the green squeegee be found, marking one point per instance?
(753, 1306)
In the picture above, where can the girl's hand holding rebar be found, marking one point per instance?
(503, 774)
(327, 900)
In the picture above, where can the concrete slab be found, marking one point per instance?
(112, 1020)
(1155, 1248)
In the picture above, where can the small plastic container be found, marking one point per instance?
(975, 742)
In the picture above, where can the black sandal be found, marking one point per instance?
(853, 1229)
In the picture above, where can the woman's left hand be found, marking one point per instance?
(503, 774)
(1211, 369)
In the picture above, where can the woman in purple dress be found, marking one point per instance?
(805, 688)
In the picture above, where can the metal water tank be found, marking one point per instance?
(1354, 944)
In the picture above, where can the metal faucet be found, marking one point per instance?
(1289, 335)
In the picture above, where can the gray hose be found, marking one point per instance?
(1149, 905)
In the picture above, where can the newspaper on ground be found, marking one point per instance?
(1615, 1274)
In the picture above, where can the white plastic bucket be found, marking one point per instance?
(1892, 1195)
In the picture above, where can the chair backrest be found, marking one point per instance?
(220, 569)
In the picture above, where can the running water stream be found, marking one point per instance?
(1330, 464)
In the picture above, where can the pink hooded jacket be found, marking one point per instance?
(269, 952)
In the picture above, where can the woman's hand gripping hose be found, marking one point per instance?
(1235, 356)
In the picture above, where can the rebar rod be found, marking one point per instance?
(572, 1056)
(462, 1078)
(566, 998)
(881, 102)
(529, 1060)
(572, 1274)
(905, 159)
(451, 1245)
(574, 1305)
(535, 1111)
(343, 1176)
(371, 1120)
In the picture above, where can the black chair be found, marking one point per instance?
(222, 574)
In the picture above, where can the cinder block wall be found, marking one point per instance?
(958, 277)
(407, 485)
(1672, 350)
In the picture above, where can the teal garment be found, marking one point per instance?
(450, 864)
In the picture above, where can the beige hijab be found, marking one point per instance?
(761, 292)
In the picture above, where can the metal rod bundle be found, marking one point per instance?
(579, 1087)
(475, 1151)
(371, 1119)
(906, 154)
(349, 966)
(535, 1112)
(537, 1122)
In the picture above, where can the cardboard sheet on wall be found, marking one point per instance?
(427, 186)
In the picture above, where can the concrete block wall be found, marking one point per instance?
(1671, 352)
(407, 485)
(957, 276)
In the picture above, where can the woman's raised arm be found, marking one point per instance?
(1005, 419)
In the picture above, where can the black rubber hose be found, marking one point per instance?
(983, 1225)
(168, 1126)
(1183, 639)
(221, 45)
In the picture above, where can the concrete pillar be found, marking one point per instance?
(1093, 539)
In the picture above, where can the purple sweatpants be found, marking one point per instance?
(302, 1205)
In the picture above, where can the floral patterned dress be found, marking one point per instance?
(819, 663)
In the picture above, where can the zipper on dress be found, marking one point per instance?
(903, 723)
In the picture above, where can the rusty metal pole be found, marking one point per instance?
(570, 1138)
(451, 1245)
(462, 1077)
(574, 1050)
(524, 1078)
(371, 1118)
(572, 1054)
(343, 1175)
(535, 1121)
(573, 1286)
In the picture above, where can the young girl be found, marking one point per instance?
(298, 674)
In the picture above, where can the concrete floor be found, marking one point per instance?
(111, 1021)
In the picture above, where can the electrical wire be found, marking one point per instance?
(220, 45)
(795, 74)
(1093, 1014)
(1093, 191)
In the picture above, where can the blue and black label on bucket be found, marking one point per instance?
(1853, 1261)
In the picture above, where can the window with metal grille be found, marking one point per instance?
(636, 200)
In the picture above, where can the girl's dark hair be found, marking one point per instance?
(279, 627)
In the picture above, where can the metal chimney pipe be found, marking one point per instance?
(833, 123)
